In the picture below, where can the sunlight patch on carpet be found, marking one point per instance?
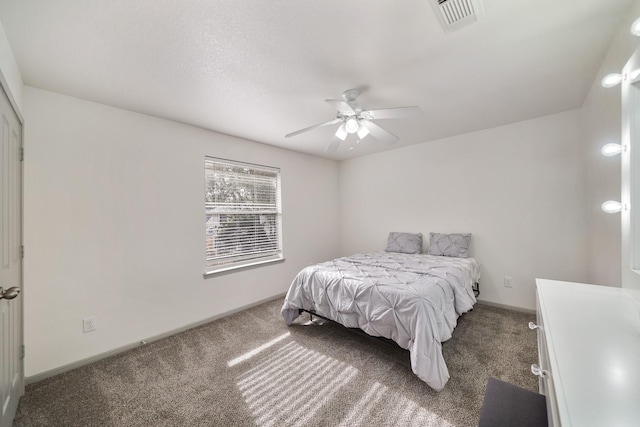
(402, 411)
(290, 385)
(248, 355)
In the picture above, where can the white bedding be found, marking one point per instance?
(415, 300)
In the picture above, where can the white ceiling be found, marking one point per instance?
(260, 69)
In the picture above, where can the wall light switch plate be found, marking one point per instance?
(508, 282)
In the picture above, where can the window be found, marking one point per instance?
(243, 217)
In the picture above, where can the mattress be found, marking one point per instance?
(414, 300)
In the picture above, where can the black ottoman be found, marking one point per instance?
(507, 405)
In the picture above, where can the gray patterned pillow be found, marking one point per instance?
(453, 245)
(406, 243)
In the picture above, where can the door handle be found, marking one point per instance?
(10, 293)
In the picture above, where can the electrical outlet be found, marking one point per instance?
(89, 324)
(508, 282)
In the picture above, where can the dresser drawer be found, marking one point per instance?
(543, 370)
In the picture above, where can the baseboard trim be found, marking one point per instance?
(507, 307)
(65, 368)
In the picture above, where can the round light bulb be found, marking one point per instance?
(635, 27)
(611, 80)
(351, 125)
(610, 150)
(611, 206)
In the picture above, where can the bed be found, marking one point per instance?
(412, 299)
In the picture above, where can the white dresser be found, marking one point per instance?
(589, 354)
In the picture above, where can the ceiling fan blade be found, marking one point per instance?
(342, 106)
(330, 122)
(379, 133)
(394, 113)
(333, 145)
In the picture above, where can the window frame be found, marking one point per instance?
(215, 265)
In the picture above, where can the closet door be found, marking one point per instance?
(11, 336)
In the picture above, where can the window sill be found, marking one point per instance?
(245, 266)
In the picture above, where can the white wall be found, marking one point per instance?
(602, 124)
(518, 188)
(114, 211)
(9, 73)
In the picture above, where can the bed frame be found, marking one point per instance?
(356, 330)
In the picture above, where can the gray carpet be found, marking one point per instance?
(244, 370)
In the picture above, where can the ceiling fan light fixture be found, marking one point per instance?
(351, 125)
(341, 133)
(353, 118)
(362, 132)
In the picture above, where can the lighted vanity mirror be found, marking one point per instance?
(630, 137)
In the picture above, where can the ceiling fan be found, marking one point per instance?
(355, 119)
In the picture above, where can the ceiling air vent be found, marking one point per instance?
(456, 14)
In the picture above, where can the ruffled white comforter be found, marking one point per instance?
(415, 300)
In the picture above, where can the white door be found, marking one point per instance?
(11, 367)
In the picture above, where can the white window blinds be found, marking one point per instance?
(242, 214)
